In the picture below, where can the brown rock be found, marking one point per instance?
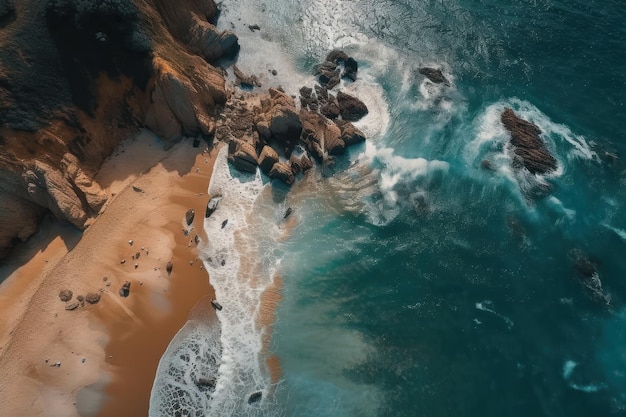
(282, 172)
(350, 134)
(80, 298)
(246, 81)
(267, 159)
(350, 107)
(72, 306)
(529, 147)
(66, 295)
(92, 297)
(244, 158)
(317, 129)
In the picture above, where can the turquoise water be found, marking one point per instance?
(466, 301)
(416, 283)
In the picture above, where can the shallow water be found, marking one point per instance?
(415, 282)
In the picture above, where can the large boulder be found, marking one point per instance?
(320, 131)
(349, 133)
(433, 74)
(267, 159)
(244, 157)
(350, 107)
(530, 150)
(282, 171)
(277, 119)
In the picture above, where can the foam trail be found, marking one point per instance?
(241, 256)
(568, 373)
(485, 306)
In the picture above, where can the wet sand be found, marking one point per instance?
(135, 349)
(48, 354)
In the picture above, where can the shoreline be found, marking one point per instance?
(56, 362)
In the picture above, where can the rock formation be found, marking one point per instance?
(265, 130)
(433, 74)
(530, 150)
(79, 76)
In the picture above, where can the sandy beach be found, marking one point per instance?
(100, 359)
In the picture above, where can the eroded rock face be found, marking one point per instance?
(350, 107)
(277, 119)
(79, 76)
(530, 149)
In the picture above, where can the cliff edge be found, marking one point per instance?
(77, 77)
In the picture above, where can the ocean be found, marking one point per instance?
(413, 282)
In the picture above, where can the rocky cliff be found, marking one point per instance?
(79, 76)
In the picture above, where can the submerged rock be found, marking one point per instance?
(530, 150)
(589, 278)
(255, 397)
(169, 267)
(433, 74)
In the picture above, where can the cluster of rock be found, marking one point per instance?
(67, 295)
(266, 135)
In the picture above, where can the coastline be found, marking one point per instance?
(48, 354)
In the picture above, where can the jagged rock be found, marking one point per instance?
(305, 163)
(337, 56)
(433, 74)
(92, 297)
(245, 81)
(328, 74)
(277, 118)
(80, 298)
(317, 129)
(267, 159)
(244, 158)
(350, 107)
(308, 99)
(125, 290)
(189, 216)
(169, 267)
(181, 105)
(212, 205)
(322, 93)
(209, 42)
(254, 27)
(255, 397)
(330, 109)
(66, 295)
(350, 134)
(350, 69)
(529, 147)
(282, 172)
